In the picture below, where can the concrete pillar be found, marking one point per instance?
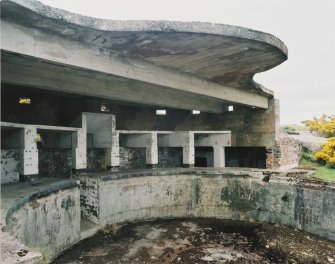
(151, 150)
(79, 147)
(219, 156)
(113, 152)
(188, 149)
(79, 151)
(28, 154)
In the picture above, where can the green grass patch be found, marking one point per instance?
(323, 172)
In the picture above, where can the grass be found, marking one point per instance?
(323, 172)
(294, 127)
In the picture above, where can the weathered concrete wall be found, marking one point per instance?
(132, 158)
(170, 157)
(96, 159)
(89, 199)
(135, 158)
(250, 127)
(55, 162)
(305, 206)
(48, 220)
(9, 165)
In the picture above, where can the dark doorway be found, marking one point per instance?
(250, 157)
(204, 157)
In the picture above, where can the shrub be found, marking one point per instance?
(326, 126)
(327, 153)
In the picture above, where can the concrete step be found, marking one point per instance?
(87, 228)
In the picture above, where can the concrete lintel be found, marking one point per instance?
(212, 140)
(184, 139)
(42, 75)
(145, 139)
(134, 140)
(39, 127)
(55, 49)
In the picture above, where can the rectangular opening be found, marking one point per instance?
(24, 100)
(204, 157)
(160, 112)
(170, 157)
(250, 157)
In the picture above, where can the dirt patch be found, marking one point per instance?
(201, 241)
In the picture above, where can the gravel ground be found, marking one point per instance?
(201, 241)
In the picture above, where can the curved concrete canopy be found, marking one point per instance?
(215, 54)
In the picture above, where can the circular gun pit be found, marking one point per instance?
(200, 241)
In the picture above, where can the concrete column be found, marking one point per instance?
(188, 149)
(79, 147)
(151, 150)
(79, 151)
(219, 156)
(113, 152)
(28, 154)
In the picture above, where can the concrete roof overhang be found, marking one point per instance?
(187, 65)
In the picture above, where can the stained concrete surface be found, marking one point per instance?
(200, 241)
(44, 215)
(191, 64)
(285, 198)
(11, 193)
(12, 250)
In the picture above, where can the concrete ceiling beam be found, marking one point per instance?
(58, 50)
(57, 78)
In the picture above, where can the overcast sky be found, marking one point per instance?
(305, 83)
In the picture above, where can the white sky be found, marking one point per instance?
(305, 84)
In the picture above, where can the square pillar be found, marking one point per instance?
(151, 150)
(113, 152)
(79, 151)
(28, 155)
(219, 156)
(188, 149)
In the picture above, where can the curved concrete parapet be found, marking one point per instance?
(47, 220)
(148, 25)
(253, 196)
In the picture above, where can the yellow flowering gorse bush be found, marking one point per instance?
(327, 153)
(326, 126)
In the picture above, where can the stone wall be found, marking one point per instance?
(286, 153)
(48, 220)
(224, 195)
(9, 165)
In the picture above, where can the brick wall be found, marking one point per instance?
(285, 154)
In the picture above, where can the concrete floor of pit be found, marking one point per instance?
(200, 241)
